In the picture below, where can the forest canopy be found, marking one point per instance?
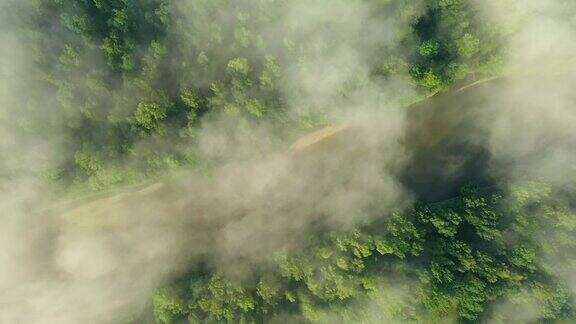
(127, 72)
(103, 95)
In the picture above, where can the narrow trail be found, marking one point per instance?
(431, 124)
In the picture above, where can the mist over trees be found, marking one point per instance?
(130, 92)
(126, 71)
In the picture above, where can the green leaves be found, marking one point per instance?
(162, 65)
(450, 253)
(446, 222)
(401, 237)
(429, 48)
(148, 114)
(70, 56)
(471, 297)
(467, 46)
(168, 305)
(238, 67)
(129, 72)
(480, 212)
(220, 300)
(454, 42)
(524, 257)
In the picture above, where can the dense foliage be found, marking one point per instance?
(475, 257)
(131, 76)
(130, 72)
